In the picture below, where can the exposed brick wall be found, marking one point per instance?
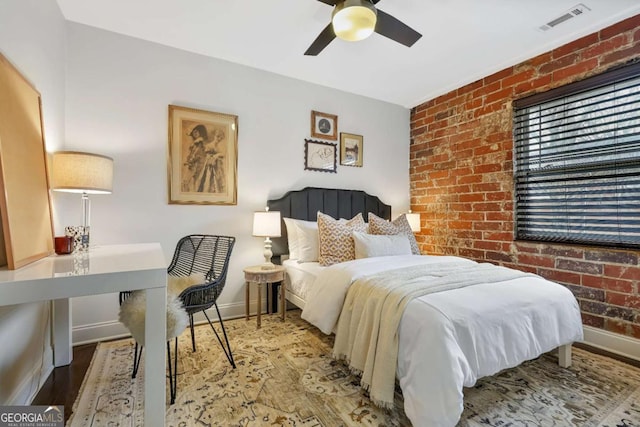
(461, 170)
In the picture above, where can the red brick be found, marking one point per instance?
(576, 45)
(484, 244)
(498, 256)
(502, 236)
(624, 300)
(617, 326)
(494, 206)
(487, 186)
(621, 55)
(559, 63)
(496, 77)
(629, 24)
(575, 70)
(622, 272)
(518, 78)
(536, 260)
(560, 276)
(539, 83)
(499, 216)
(618, 285)
(498, 195)
(472, 197)
(606, 46)
(502, 95)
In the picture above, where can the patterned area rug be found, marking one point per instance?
(284, 377)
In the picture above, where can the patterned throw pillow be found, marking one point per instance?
(336, 243)
(399, 225)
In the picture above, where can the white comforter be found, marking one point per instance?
(448, 340)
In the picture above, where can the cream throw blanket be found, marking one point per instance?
(367, 332)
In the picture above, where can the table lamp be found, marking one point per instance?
(267, 224)
(413, 218)
(84, 173)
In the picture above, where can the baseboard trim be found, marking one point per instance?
(30, 385)
(105, 331)
(614, 343)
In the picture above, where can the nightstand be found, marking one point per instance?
(259, 276)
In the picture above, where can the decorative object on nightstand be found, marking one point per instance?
(84, 173)
(267, 224)
(258, 275)
(413, 218)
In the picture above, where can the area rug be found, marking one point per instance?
(285, 377)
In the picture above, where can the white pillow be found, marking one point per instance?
(307, 232)
(292, 237)
(370, 245)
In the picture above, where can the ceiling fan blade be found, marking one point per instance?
(325, 37)
(390, 27)
(330, 2)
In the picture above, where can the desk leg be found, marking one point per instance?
(259, 310)
(62, 342)
(155, 362)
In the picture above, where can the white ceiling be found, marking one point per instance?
(462, 40)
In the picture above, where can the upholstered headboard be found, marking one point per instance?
(305, 204)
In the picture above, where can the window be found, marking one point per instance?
(577, 162)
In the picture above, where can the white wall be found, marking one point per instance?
(118, 92)
(32, 37)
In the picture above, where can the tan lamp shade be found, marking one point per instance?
(266, 224)
(77, 172)
(413, 219)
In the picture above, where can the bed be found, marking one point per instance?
(445, 340)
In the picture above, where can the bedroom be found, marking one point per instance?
(108, 93)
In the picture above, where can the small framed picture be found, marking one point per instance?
(350, 149)
(324, 126)
(320, 156)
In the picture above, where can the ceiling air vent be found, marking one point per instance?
(577, 10)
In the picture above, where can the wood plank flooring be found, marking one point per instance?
(63, 385)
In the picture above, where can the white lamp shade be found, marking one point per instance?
(354, 20)
(266, 224)
(77, 172)
(414, 221)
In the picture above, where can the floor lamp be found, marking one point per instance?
(84, 173)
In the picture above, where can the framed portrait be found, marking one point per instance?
(324, 126)
(320, 156)
(350, 149)
(203, 157)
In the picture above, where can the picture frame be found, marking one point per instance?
(320, 156)
(203, 157)
(351, 149)
(324, 126)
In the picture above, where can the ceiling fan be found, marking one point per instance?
(355, 20)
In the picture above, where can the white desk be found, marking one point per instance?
(103, 269)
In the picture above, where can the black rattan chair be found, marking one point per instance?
(197, 254)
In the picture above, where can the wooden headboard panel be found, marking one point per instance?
(304, 204)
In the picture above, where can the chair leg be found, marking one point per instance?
(227, 349)
(193, 334)
(136, 360)
(173, 373)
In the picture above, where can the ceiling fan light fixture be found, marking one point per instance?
(354, 20)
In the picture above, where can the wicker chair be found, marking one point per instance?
(197, 254)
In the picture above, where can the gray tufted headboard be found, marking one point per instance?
(304, 204)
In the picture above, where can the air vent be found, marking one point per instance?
(572, 13)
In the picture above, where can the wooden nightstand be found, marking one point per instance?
(259, 276)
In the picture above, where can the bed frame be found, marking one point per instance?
(304, 204)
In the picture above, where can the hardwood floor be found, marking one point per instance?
(63, 385)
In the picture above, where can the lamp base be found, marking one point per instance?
(267, 266)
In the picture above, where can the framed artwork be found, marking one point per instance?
(203, 157)
(320, 156)
(324, 126)
(350, 149)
